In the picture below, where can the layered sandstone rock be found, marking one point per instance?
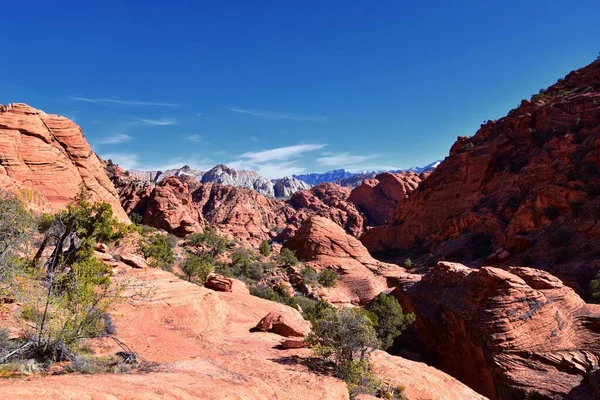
(46, 160)
(379, 197)
(322, 244)
(517, 333)
(528, 183)
(288, 322)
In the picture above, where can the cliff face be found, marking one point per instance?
(46, 160)
(509, 334)
(525, 189)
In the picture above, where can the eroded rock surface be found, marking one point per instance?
(46, 160)
(510, 334)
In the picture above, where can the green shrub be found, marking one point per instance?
(158, 248)
(287, 258)
(408, 263)
(327, 278)
(209, 239)
(431, 261)
(136, 218)
(269, 293)
(310, 276)
(197, 267)
(265, 248)
(390, 320)
(594, 288)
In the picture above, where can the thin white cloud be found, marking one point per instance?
(123, 160)
(280, 153)
(115, 139)
(253, 138)
(136, 103)
(343, 159)
(270, 170)
(277, 162)
(157, 122)
(194, 138)
(274, 115)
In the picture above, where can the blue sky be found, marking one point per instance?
(286, 86)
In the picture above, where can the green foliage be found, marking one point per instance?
(136, 218)
(431, 261)
(310, 276)
(327, 278)
(269, 293)
(265, 248)
(390, 321)
(594, 288)
(16, 225)
(197, 267)
(313, 310)
(345, 336)
(287, 258)
(209, 239)
(158, 249)
(408, 263)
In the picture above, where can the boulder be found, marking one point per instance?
(133, 260)
(219, 283)
(288, 322)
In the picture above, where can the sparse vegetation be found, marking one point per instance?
(408, 263)
(210, 240)
(327, 278)
(389, 320)
(158, 248)
(197, 267)
(68, 298)
(287, 258)
(264, 249)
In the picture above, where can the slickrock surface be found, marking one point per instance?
(512, 334)
(379, 197)
(46, 159)
(529, 182)
(203, 343)
(324, 245)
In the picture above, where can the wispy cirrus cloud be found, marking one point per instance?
(157, 122)
(194, 138)
(277, 162)
(253, 138)
(344, 159)
(135, 103)
(115, 139)
(280, 153)
(274, 115)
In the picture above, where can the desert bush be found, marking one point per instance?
(310, 276)
(431, 261)
(265, 248)
(287, 258)
(327, 278)
(594, 289)
(390, 321)
(197, 267)
(159, 250)
(268, 292)
(408, 263)
(209, 239)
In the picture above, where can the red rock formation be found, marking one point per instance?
(379, 197)
(177, 207)
(46, 160)
(170, 208)
(219, 283)
(528, 183)
(508, 334)
(288, 322)
(325, 245)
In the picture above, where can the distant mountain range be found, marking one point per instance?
(351, 179)
(283, 187)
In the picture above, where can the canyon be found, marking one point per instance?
(493, 250)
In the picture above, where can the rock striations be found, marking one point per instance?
(509, 334)
(527, 184)
(46, 160)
